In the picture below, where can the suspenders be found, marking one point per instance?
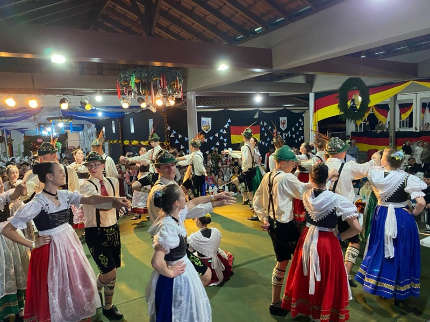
(338, 178)
(271, 202)
(98, 221)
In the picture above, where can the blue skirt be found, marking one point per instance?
(397, 277)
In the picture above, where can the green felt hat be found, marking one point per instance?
(336, 145)
(154, 137)
(284, 153)
(46, 148)
(93, 156)
(164, 157)
(247, 133)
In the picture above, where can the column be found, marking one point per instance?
(392, 129)
(192, 115)
(311, 116)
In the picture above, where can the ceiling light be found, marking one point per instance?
(85, 103)
(124, 102)
(61, 124)
(141, 102)
(159, 100)
(58, 59)
(258, 98)
(32, 103)
(88, 106)
(99, 113)
(64, 103)
(99, 98)
(10, 102)
(223, 66)
(258, 29)
(171, 100)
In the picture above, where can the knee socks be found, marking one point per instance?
(278, 277)
(109, 290)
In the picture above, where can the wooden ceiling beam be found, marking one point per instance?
(31, 41)
(102, 25)
(311, 4)
(142, 18)
(285, 13)
(214, 12)
(199, 20)
(248, 13)
(118, 25)
(152, 13)
(170, 32)
(123, 19)
(92, 23)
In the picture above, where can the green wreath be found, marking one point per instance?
(353, 113)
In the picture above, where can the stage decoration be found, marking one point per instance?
(357, 108)
(166, 130)
(283, 123)
(206, 124)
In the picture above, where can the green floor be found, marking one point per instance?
(247, 295)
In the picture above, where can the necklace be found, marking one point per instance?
(55, 195)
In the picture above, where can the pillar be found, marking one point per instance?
(311, 116)
(392, 129)
(191, 115)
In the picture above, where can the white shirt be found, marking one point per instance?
(147, 158)
(272, 163)
(351, 171)
(110, 167)
(153, 212)
(246, 154)
(196, 158)
(108, 216)
(317, 158)
(286, 187)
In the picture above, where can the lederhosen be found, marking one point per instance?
(342, 225)
(104, 243)
(284, 235)
(198, 181)
(249, 174)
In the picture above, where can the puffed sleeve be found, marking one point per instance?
(345, 208)
(25, 213)
(74, 198)
(415, 187)
(167, 237)
(4, 197)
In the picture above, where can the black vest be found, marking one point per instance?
(329, 221)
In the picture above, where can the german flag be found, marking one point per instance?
(236, 133)
(381, 112)
(423, 109)
(405, 110)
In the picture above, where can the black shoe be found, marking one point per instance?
(352, 283)
(19, 318)
(254, 218)
(246, 202)
(113, 313)
(277, 310)
(147, 218)
(405, 307)
(136, 217)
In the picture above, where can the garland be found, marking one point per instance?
(128, 142)
(352, 112)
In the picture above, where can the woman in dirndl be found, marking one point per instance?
(303, 176)
(61, 284)
(206, 243)
(13, 263)
(317, 283)
(392, 263)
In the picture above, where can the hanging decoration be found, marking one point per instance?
(166, 130)
(355, 110)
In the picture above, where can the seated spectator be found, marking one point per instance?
(426, 127)
(221, 186)
(353, 150)
(366, 127)
(413, 167)
(407, 149)
(205, 243)
(380, 127)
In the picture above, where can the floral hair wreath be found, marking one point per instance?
(208, 215)
(398, 155)
(159, 194)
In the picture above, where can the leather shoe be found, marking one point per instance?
(352, 283)
(113, 313)
(277, 310)
(254, 218)
(246, 202)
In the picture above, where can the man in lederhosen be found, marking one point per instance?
(102, 231)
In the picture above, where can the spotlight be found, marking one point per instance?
(32, 103)
(159, 99)
(64, 103)
(99, 113)
(258, 98)
(10, 102)
(61, 124)
(124, 102)
(141, 102)
(99, 98)
(223, 66)
(88, 106)
(171, 100)
(58, 59)
(85, 103)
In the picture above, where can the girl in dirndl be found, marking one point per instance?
(61, 283)
(392, 263)
(317, 283)
(303, 176)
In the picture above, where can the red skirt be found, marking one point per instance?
(299, 208)
(36, 299)
(228, 271)
(139, 211)
(330, 300)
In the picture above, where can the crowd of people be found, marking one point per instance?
(310, 200)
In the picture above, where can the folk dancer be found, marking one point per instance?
(109, 166)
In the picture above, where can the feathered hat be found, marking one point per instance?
(247, 133)
(320, 140)
(278, 141)
(198, 140)
(99, 141)
(153, 136)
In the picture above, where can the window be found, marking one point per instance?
(113, 127)
(131, 125)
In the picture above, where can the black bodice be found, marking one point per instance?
(45, 221)
(400, 195)
(178, 252)
(5, 213)
(329, 221)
